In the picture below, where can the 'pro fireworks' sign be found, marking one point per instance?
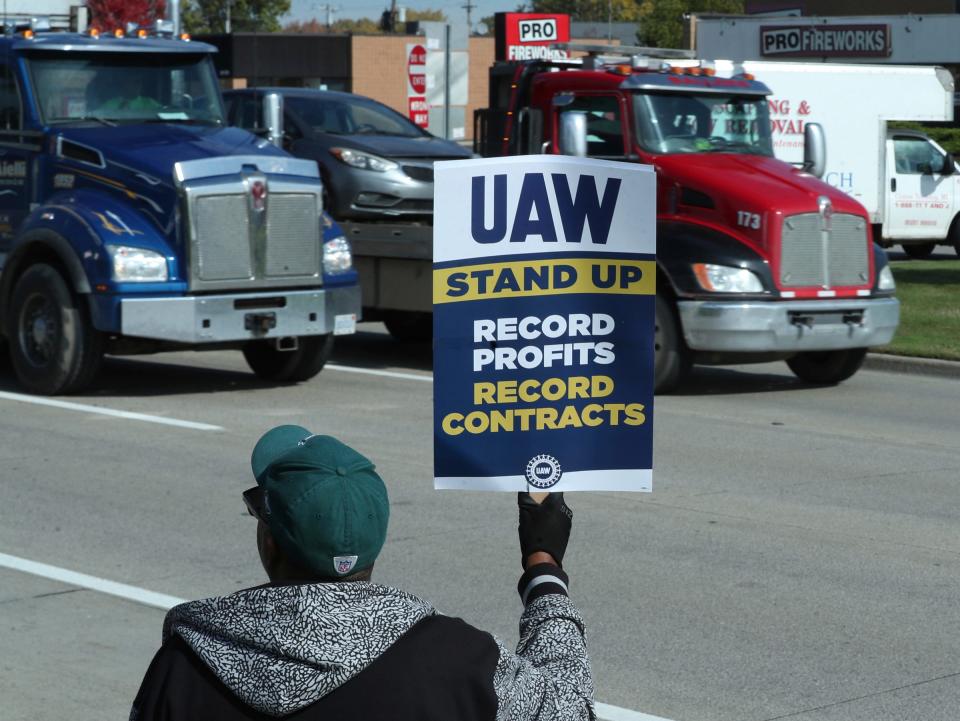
(544, 291)
(529, 36)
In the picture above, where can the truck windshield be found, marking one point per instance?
(125, 88)
(672, 123)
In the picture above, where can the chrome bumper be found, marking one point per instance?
(788, 325)
(242, 316)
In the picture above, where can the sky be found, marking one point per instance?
(306, 9)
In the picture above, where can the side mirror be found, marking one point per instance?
(572, 138)
(925, 168)
(814, 149)
(948, 167)
(273, 118)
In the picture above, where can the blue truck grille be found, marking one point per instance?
(293, 247)
(223, 250)
(235, 246)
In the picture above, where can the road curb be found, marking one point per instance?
(914, 366)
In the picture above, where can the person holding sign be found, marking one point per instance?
(320, 641)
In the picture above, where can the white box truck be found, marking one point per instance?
(909, 185)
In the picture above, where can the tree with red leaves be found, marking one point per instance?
(110, 14)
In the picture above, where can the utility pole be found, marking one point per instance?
(330, 9)
(469, 8)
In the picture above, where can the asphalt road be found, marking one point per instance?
(799, 557)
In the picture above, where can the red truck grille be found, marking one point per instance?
(814, 254)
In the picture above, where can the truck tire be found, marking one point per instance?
(54, 347)
(291, 366)
(409, 326)
(671, 359)
(919, 251)
(827, 367)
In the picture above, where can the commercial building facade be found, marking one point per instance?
(911, 39)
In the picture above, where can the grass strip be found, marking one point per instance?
(929, 293)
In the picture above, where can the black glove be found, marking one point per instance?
(544, 526)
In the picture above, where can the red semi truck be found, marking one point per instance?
(757, 260)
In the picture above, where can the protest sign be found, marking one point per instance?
(544, 283)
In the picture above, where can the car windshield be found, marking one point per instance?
(125, 88)
(673, 123)
(338, 115)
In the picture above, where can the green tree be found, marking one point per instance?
(591, 11)
(661, 21)
(360, 26)
(305, 26)
(487, 22)
(210, 16)
(426, 15)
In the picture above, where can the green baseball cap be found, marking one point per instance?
(325, 504)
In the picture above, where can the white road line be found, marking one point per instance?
(605, 712)
(83, 408)
(72, 578)
(386, 374)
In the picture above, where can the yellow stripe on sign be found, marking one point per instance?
(554, 276)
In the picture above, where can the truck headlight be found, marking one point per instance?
(725, 279)
(337, 257)
(365, 161)
(885, 281)
(137, 264)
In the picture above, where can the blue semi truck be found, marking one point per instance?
(132, 220)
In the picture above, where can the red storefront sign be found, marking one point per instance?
(528, 36)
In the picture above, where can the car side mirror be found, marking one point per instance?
(814, 149)
(572, 139)
(925, 168)
(948, 167)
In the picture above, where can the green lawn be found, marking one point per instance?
(929, 293)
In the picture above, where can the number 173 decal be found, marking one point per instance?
(748, 220)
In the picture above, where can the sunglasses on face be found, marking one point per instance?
(255, 500)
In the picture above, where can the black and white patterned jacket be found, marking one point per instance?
(364, 651)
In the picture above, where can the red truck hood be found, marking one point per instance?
(741, 186)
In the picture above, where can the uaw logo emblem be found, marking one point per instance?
(344, 564)
(543, 471)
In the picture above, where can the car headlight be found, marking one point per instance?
(725, 279)
(365, 161)
(136, 264)
(337, 257)
(885, 281)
